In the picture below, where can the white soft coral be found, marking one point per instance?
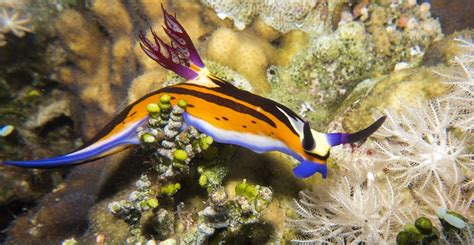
(348, 213)
(428, 143)
(461, 76)
(357, 204)
(421, 148)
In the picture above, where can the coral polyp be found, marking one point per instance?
(11, 20)
(14, 19)
(422, 149)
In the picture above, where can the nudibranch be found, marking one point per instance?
(216, 108)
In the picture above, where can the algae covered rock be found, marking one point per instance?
(320, 75)
(403, 88)
(394, 91)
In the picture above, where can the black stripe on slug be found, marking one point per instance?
(268, 105)
(211, 98)
(322, 158)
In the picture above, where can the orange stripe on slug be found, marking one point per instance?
(260, 127)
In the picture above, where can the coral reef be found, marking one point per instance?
(362, 205)
(234, 213)
(330, 60)
(336, 61)
(401, 33)
(101, 65)
(98, 64)
(420, 161)
(27, 87)
(330, 66)
(380, 93)
(250, 59)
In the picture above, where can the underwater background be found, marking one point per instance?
(69, 66)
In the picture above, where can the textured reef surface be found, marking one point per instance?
(67, 67)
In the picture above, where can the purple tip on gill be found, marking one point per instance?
(179, 54)
(180, 39)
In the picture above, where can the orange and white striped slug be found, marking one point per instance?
(216, 108)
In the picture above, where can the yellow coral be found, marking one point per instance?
(247, 55)
(91, 79)
(378, 17)
(103, 63)
(153, 8)
(80, 37)
(189, 16)
(265, 30)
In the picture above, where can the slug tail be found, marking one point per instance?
(93, 151)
